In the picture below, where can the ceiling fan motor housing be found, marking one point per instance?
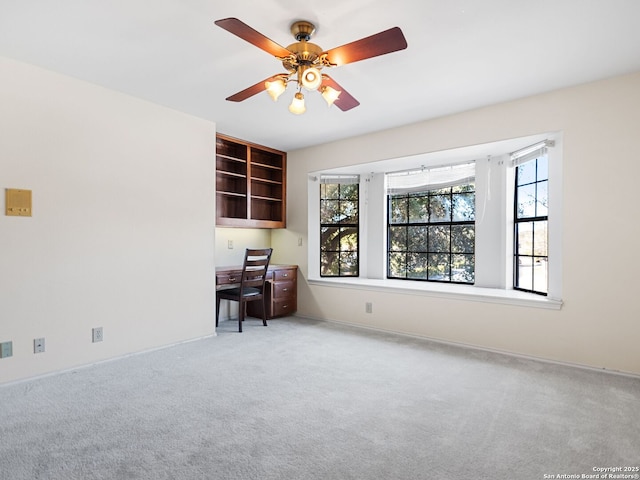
(302, 30)
(306, 53)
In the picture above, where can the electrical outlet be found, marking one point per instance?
(38, 345)
(6, 349)
(368, 307)
(96, 334)
(230, 244)
(299, 241)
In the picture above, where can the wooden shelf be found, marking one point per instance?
(251, 183)
(233, 194)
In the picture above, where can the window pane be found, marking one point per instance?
(348, 264)
(329, 211)
(398, 210)
(439, 237)
(329, 265)
(418, 209)
(417, 266)
(397, 238)
(418, 239)
(348, 239)
(464, 207)
(440, 208)
(397, 265)
(348, 211)
(463, 268)
(540, 275)
(330, 190)
(525, 238)
(542, 204)
(540, 241)
(466, 188)
(330, 239)
(525, 273)
(463, 238)
(543, 168)
(526, 173)
(349, 192)
(439, 267)
(526, 206)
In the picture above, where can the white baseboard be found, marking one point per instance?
(477, 347)
(106, 360)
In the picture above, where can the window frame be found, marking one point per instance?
(532, 220)
(340, 226)
(429, 224)
(494, 214)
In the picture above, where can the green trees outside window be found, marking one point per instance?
(431, 235)
(339, 230)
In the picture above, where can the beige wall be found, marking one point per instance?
(112, 244)
(598, 325)
(240, 239)
(122, 233)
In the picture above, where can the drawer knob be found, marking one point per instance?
(232, 279)
(285, 289)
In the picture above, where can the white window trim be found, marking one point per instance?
(494, 226)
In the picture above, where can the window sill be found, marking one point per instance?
(440, 290)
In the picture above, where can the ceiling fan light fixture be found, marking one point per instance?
(330, 95)
(311, 78)
(304, 60)
(275, 88)
(297, 104)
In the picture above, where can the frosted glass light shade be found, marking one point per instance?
(330, 95)
(311, 78)
(275, 88)
(297, 104)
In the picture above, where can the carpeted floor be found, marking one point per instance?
(315, 400)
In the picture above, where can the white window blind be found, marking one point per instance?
(531, 152)
(342, 179)
(411, 181)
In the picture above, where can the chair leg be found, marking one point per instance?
(264, 311)
(241, 308)
(217, 309)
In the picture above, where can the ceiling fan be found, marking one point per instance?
(304, 61)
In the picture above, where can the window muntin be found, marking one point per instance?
(431, 235)
(531, 225)
(339, 229)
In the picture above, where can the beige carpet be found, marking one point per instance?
(314, 400)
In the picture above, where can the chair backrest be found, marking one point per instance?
(254, 269)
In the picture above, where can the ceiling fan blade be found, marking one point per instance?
(345, 101)
(381, 43)
(245, 32)
(248, 92)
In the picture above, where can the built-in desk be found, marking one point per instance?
(281, 288)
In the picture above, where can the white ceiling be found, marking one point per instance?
(461, 54)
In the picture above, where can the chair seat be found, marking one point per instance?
(235, 292)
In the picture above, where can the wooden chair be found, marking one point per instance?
(251, 289)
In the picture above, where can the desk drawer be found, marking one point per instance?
(227, 278)
(288, 274)
(284, 307)
(283, 290)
